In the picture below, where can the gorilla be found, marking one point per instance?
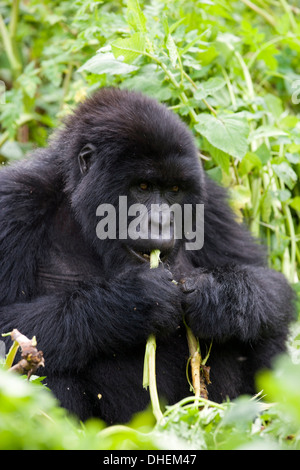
(93, 301)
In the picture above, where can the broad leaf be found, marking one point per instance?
(135, 16)
(105, 62)
(209, 88)
(295, 203)
(129, 48)
(265, 131)
(286, 173)
(228, 133)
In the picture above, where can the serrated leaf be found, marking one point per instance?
(221, 158)
(286, 173)
(149, 80)
(107, 63)
(135, 16)
(129, 48)
(228, 133)
(171, 46)
(265, 131)
(209, 88)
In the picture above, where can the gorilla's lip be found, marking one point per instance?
(143, 255)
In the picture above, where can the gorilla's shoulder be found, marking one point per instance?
(31, 184)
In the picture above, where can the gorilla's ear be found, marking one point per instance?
(84, 157)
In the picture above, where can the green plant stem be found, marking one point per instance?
(230, 88)
(255, 195)
(9, 49)
(262, 48)
(288, 11)
(66, 83)
(191, 400)
(174, 82)
(260, 12)
(119, 429)
(247, 75)
(212, 110)
(14, 18)
(150, 376)
(293, 239)
(182, 95)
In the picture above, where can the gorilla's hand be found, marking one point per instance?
(234, 301)
(195, 288)
(192, 283)
(158, 299)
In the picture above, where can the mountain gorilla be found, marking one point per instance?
(92, 302)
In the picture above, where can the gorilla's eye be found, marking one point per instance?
(144, 186)
(175, 188)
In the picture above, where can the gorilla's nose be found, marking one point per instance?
(161, 227)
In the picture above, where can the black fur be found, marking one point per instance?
(91, 305)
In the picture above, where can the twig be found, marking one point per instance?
(31, 358)
(195, 360)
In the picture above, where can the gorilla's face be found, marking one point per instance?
(156, 196)
(137, 169)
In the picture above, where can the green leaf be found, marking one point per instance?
(129, 48)
(228, 132)
(250, 161)
(215, 174)
(264, 153)
(265, 131)
(286, 173)
(240, 196)
(209, 88)
(11, 150)
(295, 203)
(135, 16)
(171, 46)
(149, 80)
(105, 62)
(274, 105)
(221, 158)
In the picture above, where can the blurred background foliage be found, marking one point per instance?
(231, 70)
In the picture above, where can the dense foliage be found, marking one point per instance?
(231, 70)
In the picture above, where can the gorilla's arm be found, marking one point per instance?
(72, 327)
(232, 294)
(243, 302)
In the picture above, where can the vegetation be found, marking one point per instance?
(231, 70)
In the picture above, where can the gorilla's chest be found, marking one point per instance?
(68, 260)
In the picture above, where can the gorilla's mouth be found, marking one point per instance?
(144, 255)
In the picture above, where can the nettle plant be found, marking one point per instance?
(230, 69)
(235, 91)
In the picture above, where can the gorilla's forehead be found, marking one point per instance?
(132, 121)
